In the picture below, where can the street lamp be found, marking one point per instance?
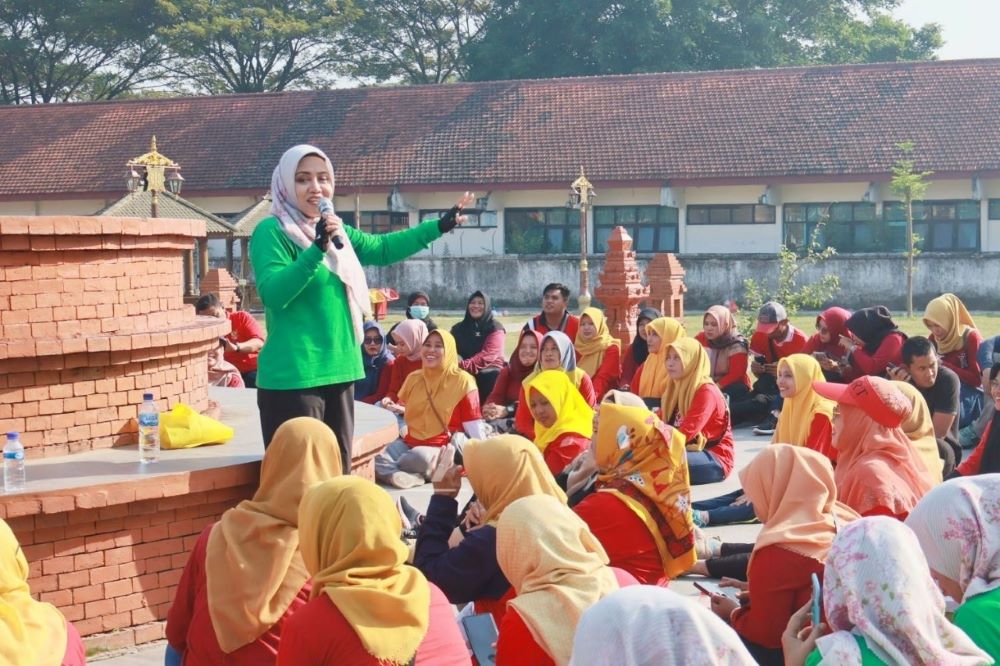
(154, 172)
(581, 196)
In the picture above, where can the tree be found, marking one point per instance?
(910, 185)
(608, 37)
(69, 50)
(413, 41)
(253, 45)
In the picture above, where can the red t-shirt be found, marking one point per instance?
(629, 366)
(889, 351)
(773, 350)
(609, 373)
(570, 325)
(780, 584)
(971, 465)
(189, 623)
(738, 364)
(820, 437)
(965, 361)
(517, 647)
(624, 536)
(245, 327)
(466, 410)
(320, 635)
(75, 654)
(524, 422)
(384, 375)
(401, 369)
(709, 415)
(564, 450)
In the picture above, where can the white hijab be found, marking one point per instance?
(958, 526)
(643, 625)
(302, 231)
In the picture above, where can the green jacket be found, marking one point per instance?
(310, 337)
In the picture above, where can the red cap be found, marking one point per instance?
(877, 397)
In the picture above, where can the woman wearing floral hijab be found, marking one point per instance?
(315, 296)
(958, 527)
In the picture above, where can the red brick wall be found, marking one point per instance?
(110, 557)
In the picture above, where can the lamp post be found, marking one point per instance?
(581, 196)
(154, 172)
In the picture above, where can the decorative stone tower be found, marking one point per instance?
(666, 284)
(220, 282)
(621, 289)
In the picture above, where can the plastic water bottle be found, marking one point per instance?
(149, 430)
(13, 464)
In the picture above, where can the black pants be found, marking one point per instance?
(249, 378)
(732, 562)
(332, 404)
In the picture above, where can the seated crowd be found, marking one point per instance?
(581, 453)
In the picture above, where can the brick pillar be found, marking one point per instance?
(666, 284)
(219, 281)
(621, 289)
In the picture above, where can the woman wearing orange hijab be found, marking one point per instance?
(564, 422)
(439, 400)
(641, 512)
(245, 576)
(878, 472)
(794, 494)
(650, 378)
(368, 607)
(694, 405)
(597, 353)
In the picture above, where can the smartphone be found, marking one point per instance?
(759, 358)
(711, 588)
(891, 366)
(445, 460)
(821, 356)
(817, 599)
(481, 630)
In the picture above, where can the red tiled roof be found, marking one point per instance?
(794, 122)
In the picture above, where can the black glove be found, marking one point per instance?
(322, 239)
(447, 221)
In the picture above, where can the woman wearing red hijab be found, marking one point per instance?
(824, 345)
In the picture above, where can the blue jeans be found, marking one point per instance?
(704, 468)
(970, 401)
(172, 657)
(722, 512)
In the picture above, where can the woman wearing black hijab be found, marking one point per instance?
(875, 342)
(637, 352)
(480, 340)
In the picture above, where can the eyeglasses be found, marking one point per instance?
(373, 341)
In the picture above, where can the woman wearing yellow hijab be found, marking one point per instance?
(806, 417)
(641, 512)
(564, 422)
(650, 379)
(367, 606)
(245, 576)
(693, 404)
(559, 570)
(957, 339)
(598, 353)
(439, 401)
(32, 633)
(919, 428)
(500, 470)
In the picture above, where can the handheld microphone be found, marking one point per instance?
(326, 206)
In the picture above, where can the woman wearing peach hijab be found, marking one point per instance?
(650, 378)
(368, 606)
(957, 339)
(641, 512)
(558, 569)
(728, 351)
(919, 427)
(245, 576)
(793, 492)
(694, 405)
(806, 416)
(597, 352)
(32, 633)
(878, 471)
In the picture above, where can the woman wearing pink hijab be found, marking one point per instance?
(309, 276)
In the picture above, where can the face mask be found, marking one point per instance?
(420, 311)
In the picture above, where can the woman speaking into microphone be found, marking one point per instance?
(309, 276)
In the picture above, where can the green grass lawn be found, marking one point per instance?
(988, 323)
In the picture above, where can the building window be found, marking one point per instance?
(542, 230)
(943, 226)
(652, 228)
(994, 209)
(848, 227)
(477, 219)
(731, 214)
(377, 221)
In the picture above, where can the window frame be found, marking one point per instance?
(922, 225)
(827, 216)
(475, 217)
(659, 227)
(570, 227)
(715, 209)
(368, 225)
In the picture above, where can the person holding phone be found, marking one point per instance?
(793, 492)
(824, 344)
(367, 606)
(874, 341)
(310, 279)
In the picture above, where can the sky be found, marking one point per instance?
(969, 27)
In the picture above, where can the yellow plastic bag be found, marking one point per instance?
(184, 428)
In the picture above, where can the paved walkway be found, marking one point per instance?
(747, 446)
